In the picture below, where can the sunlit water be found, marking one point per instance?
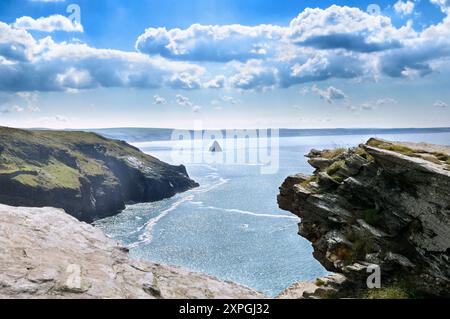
(231, 226)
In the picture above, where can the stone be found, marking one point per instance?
(47, 254)
(392, 210)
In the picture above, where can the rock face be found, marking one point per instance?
(384, 204)
(215, 148)
(45, 253)
(87, 175)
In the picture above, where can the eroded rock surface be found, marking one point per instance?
(45, 253)
(384, 204)
(89, 176)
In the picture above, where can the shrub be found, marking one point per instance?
(335, 167)
(330, 154)
(392, 292)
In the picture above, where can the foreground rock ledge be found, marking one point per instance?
(382, 203)
(45, 253)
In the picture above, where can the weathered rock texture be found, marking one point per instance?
(385, 204)
(45, 253)
(87, 175)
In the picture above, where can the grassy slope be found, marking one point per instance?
(56, 159)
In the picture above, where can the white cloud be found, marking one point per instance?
(346, 28)
(212, 43)
(159, 100)
(48, 24)
(229, 99)
(186, 102)
(440, 104)
(404, 7)
(443, 4)
(331, 94)
(386, 100)
(12, 109)
(30, 65)
(216, 83)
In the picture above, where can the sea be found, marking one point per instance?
(231, 227)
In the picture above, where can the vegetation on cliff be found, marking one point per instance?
(88, 175)
(380, 204)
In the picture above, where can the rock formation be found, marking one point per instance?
(215, 148)
(45, 253)
(87, 175)
(382, 203)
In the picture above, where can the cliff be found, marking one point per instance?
(46, 253)
(87, 175)
(382, 203)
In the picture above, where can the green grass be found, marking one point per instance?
(319, 282)
(336, 166)
(58, 159)
(330, 154)
(27, 179)
(392, 292)
(310, 180)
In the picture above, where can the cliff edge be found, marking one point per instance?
(383, 204)
(46, 253)
(87, 175)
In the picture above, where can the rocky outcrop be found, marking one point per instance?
(381, 204)
(45, 253)
(87, 175)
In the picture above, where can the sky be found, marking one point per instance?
(224, 64)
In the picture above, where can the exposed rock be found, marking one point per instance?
(87, 175)
(384, 204)
(45, 253)
(215, 147)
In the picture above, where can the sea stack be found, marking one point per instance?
(215, 148)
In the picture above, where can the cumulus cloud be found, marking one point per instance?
(254, 75)
(345, 28)
(30, 65)
(443, 4)
(186, 102)
(331, 94)
(48, 24)
(440, 104)
(416, 58)
(212, 43)
(159, 100)
(216, 83)
(319, 44)
(229, 99)
(404, 7)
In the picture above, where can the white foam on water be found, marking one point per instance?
(244, 212)
(147, 236)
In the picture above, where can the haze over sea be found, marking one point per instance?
(231, 226)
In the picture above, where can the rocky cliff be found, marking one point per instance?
(382, 203)
(45, 253)
(87, 175)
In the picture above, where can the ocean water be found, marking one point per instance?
(231, 227)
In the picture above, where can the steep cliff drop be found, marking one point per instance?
(382, 204)
(89, 176)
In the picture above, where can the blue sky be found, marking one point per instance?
(298, 64)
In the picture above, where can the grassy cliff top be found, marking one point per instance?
(60, 159)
